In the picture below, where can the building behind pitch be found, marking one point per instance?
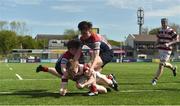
(144, 46)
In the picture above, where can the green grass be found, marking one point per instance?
(134, 81)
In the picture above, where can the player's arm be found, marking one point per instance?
(175, 38)
(95, 55)
(64, 80)
(92, 79)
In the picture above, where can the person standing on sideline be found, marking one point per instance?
(166, 37)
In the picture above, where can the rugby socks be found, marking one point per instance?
(109, 77)
(93, 88)
(44, 69)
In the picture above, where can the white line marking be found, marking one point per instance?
(10, 68)
(6, 92)
(140, 90)
(27, 79)
(20, 78)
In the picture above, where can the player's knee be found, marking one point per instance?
(101, 89)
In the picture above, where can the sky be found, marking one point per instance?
(115, 18)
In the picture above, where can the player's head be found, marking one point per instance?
(73, 46)
(72, 65)
(164, 23)
(85, 27)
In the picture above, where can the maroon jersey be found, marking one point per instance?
(64, 60)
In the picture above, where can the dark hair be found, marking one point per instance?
(164, 20)
(73, 44)
(83, 24)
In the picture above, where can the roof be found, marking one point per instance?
(146, 38)
(150, 38)
(49, 37)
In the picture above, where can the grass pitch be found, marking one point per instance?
(20, 85)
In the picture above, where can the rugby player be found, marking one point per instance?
(165, 39)
(102, 51)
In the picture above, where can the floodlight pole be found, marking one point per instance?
(140, 19)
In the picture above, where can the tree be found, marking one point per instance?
(18, 27)
(176, 27)
(13, 26)
(115, 43)
(3, 25)
(70, 33)
(40, 44)
(145, 31)
(27, 42)
(154, 31)
(8, 41)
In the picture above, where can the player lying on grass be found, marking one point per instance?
(60, 67)
(80, 74)
(86, 78)
(83, 78)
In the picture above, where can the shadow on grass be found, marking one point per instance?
(41, 93)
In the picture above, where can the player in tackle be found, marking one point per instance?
(102, 50)
(60, 69)
(84, 77)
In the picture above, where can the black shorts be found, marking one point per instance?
(106, 57)
(58, 68)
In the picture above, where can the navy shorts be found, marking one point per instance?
(106, 57)
(58, 68)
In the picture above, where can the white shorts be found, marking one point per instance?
(164, 55)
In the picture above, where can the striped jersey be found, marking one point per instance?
(165, 36)
(96, 42)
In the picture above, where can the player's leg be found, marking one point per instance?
(109, 80)
(90, 83)
(95, 89)
(103, 79)
(159, 72)
(50, 70)
(101, 89)
(167, 64)
(54, 72)
(170, 66)
(105, 58)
